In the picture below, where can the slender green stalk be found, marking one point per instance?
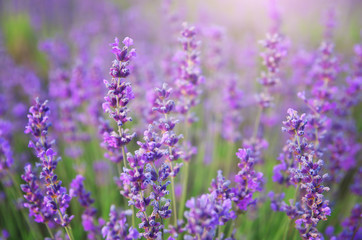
(173, 198)
(287, 229)
(67, 229)
(49, 231)
(133, 217)
(257, 123)
(219, 232)
(184, 189)
(124, 157)
(172, 185)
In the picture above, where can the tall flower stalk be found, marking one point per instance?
(145, 182)
(54, 196)
(303, 171)
(188, 80)
(118, 96)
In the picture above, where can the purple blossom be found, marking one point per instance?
(159, 147)
(232, 118)
(55, 196)
(4, 234)
(351, 226)
(6, 155)
(118, 96)
(247, 180)
(209, 211)
(272, 56)
(189, 73)
(38, 207)
(88, 216)
(304, 172)
(202, 218)
(117, 227)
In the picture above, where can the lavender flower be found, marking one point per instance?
(38, 207)
(274, 52)
(67, 89)
(202, 218)
(160, 144)
(189, 73)
(117, 227)
(118, 96)
(351, 226)
(6, 155)
(209, 211)
(247, 180)
(188, 81)
(88, 216)
(56, 196)
(304, 172)
(232, 119)
(4, 234)
(294, 126)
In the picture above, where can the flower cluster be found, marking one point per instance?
(351, 226)
(158, 148)
(119, 94)
(55, 196)
(38, 207)
(204, 215)
(214, 209)
(67, 90)
(88, 216)
(248, 181)
(6, 153)
(189, 73)
(117, 227)
(232, 118)
(272, 56)
(304, 173)
(294, 148)
(166, 124)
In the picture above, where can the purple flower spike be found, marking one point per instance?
(351, 226)
(298, 167)
(88, 216)
(55, 196)
(247, 180)
(275, 50)
(117, 227)
(119, 95)
(38, 208)
(6, 155)
(189, 73)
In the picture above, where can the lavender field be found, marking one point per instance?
(170, 119)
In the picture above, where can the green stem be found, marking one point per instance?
(124, 157)
(184, 189)
(133, 217)
(68, 233)
(50, 231)
(174, 200)
(257, 123)
(286, 233)
(230, 230)
(67, 229)
(219, 232)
